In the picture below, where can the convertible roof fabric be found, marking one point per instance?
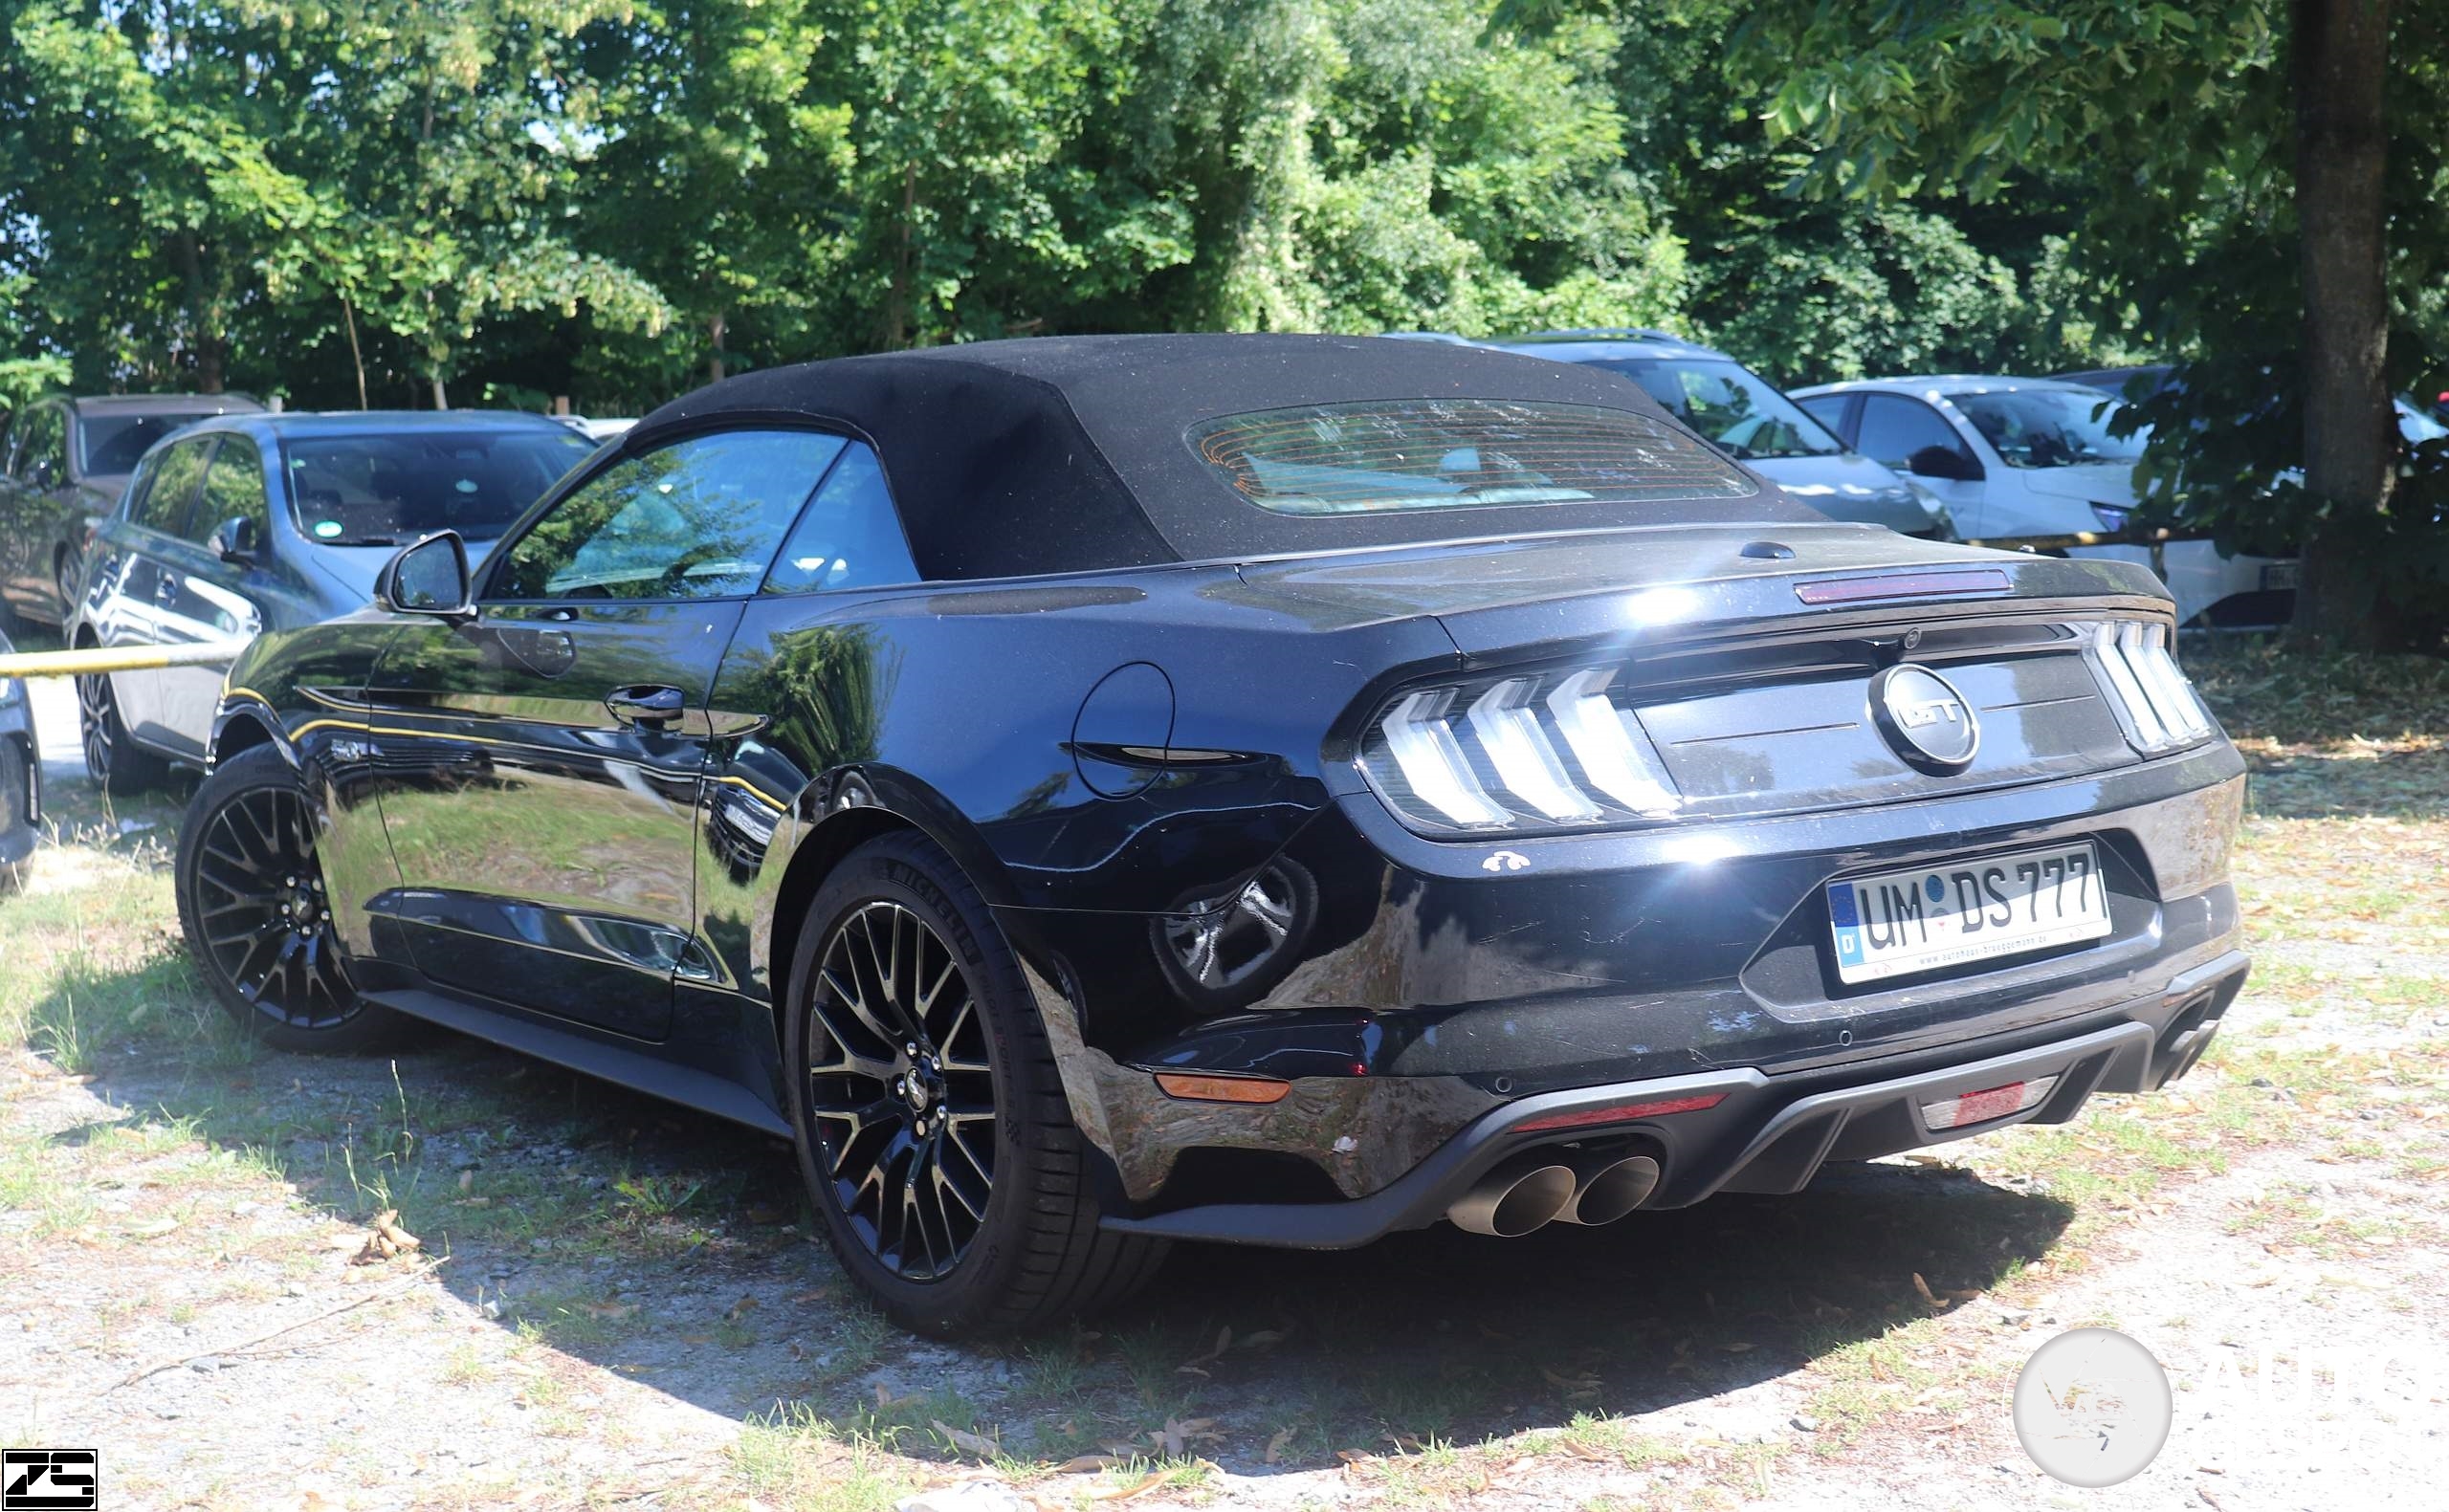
(1071, 453)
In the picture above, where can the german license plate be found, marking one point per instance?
(1929, 918)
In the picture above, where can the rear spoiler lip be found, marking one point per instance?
(1957, 582)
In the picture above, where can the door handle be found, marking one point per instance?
(650, 704)
(165, 588)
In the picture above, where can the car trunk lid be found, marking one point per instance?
(1751, 662)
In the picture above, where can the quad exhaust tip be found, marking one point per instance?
(1608, 1186)
(1530, 1190)
(1517, 1196)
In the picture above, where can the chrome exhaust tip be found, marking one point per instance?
(1607, 1186)
(1517, 1196)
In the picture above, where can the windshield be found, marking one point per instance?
(1433, 453)
(2049, 428)
(1730, 405)
(384, 489)
(110, 443)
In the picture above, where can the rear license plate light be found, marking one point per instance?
(1968, 1108)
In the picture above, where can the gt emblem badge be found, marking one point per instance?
(1925, 719)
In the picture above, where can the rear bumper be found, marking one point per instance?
(1764, 1133)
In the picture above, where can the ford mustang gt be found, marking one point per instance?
(1090, 792)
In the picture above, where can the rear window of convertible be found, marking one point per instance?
(1445, 453)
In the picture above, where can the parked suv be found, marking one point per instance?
(254, 523)
(2035, 459)
(63, 462)
(1751, 422)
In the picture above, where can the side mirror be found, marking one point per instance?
(234, 539)
(1944, 462)
(429, 577)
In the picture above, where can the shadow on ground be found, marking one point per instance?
(671, 1248)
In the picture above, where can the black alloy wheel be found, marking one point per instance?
(256, 911)
(113, 759)
(931, 1122)
(901, 1091)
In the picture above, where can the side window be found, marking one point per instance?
(1829, 410)
(1893, 428)
(234, 489)
(176, 473)
(696, 519)
(42, 454)
(849, 537)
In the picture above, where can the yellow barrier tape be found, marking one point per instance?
(117, 659)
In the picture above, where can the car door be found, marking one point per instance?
(199, 597)
(538, 765)
(1892, 429)
(131, 586)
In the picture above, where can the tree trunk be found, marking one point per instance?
(897, 321)
(2342, 57)
(714, 363)
(200, 314)
(357, 358)
(441, 400)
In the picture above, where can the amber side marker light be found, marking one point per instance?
(1222, 1088)
(1624, 1113)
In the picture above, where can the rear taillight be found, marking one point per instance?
(2155, 701)
(1526, 751)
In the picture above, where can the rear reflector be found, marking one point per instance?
(1223, 1088)
(1902, 585)
(1979, 1107)
(1624, 1113)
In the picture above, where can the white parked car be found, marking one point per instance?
(596, 428)
(2032, 459)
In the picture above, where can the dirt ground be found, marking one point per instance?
(616, 1303)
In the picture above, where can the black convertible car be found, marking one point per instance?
(1089, 793)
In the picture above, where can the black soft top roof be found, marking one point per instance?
(1068, 454)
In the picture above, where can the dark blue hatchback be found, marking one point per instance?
(257, 522)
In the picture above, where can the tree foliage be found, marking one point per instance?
(2171, 130)
(618, 199)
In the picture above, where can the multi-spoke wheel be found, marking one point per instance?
(931, 1120)
(115, 762)
(1229, 953)
(257, 913)
(899, 1090)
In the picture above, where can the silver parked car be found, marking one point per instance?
(20, 776)
(2037, 459)
(257, 523)
(1751, 422)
